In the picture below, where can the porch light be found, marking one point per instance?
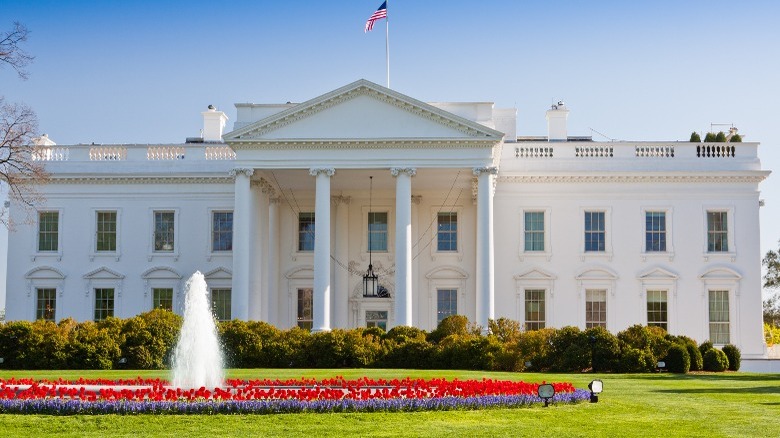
(2, 360)
(546, 392)
(596, 387)
(370, 279)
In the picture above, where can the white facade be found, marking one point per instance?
(465, 218)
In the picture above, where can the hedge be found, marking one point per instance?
(147, 340)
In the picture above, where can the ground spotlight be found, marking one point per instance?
(122, 361)
(546, 392)
(595, 387)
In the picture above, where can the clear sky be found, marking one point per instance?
(142, 71)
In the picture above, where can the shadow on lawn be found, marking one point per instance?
(710, 377)
(724, 390)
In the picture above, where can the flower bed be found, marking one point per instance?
(136, 396)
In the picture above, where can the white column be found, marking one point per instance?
(262, 264)
(273, 264)
(341, 296)
(255, 237)
(403, 244)
(485, 263)
(321, 305)
(241, 251)
(420, 310)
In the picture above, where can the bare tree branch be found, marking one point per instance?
(10, 52)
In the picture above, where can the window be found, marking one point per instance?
(595, 231)
(47, 304)
(105, 229)
(104, 303)
(220, 303)
(162, 298)
(657, 314)
(305, 308)
(595, 308)
(222, 231)
(717, 231)
(376, 318)
(447, 231)
(48, 231)
(164, 232)
(719, 317)
(534, 309)
(377, 231)
(534, 230)
(655, 231)
(305, 231)
(447, 303)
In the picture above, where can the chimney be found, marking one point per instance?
(213, 124)
(556, 122)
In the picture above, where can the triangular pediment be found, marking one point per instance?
(366, 111)
(535, 274)
(103, 273)
(220, 273)
(657, 274)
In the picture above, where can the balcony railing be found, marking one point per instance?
(132, 153)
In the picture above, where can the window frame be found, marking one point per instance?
(229, 302)
(298, 232)
(605, 310)
(542, 322)
(36, 242)
(607, 253)
(174, 253)
(212, 215)
(38, 291)
(659, 323)
(547, 253)
(298, 318)
(172, 298)
(453, 291)
(117, 253)
(668, 212)
(731, 225)
(114, 298)
(379, 208)
(729, 313)
(433, 238)
(454, 234)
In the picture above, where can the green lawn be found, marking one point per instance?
(646, 405)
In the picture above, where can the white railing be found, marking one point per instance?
(654, 151)
(164, 153)
(219, 153)
(593, 151)
(55, 153)
(533, 152)
(725, 150)
(107, 153)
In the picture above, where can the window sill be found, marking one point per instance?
(211, 255)
(173, 255)
(112, 255)
(657, 255)
(535, 254)
(720, 256)
(37, 255)
(596, 255)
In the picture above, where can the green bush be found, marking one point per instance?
(149, 339)
(677, 359)
(412, 353)
(505, 330)
(570, 350)
(242, 346)
(535, 347)
(633, 360)
(651, 339)
(715, 360)
(733, 354)
(605, 347)
(720, 137)
(695, 137)
(451, 325)
(709, 137)
(704, 347)
(91, 347)
(736, 138)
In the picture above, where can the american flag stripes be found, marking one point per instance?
(378, 15)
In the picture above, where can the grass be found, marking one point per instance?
(646, 405)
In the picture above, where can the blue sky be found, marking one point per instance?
(142, 71)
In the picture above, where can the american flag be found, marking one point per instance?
(378, 15)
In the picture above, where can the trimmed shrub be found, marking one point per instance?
(709, 137)
(697, 362)
(736, 138)
(242, 346)
(570, 350)
(735, 357)
(704, 347)
(451, 325)
(633, 360)
(91, 347)
(605, 349)
(149, 339)
(715, 360)
(407, 353)
(536, 347)
(677, 359)
(695, 137)
(505, 330)
(720, 137)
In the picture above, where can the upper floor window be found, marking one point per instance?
(534, 230)
(164, 232)
(48, 231)
(305, 231)
(105, 229)
(595, 231)
(222, 231)
(447, 231)
(377, 231)
(717, 231)
(655, 231)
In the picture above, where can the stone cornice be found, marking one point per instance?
(623, 179)
(350, 143)
(112, 179)
(362, 88)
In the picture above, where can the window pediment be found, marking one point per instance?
(657, 274)
(721, 273)
(597, 273)
(44, 273)
(535, 274)
(161, 272)
(103, 273)
(300, 273)
(220, 273)
(447, 272)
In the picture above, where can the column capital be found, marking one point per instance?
(416, 199)
(242, 171)
(491, 170)
(340, 199)
(329, 171)
(411, 171)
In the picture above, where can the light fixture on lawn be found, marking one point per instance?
(546, 392)
(370, 279)
(596, 387)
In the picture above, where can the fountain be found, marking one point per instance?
(197, 360)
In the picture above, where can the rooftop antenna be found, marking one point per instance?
(603, 135)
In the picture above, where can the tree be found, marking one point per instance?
(10, 52)
(695, 137)
(772, 281)
(18, 128)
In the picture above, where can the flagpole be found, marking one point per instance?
(387, 42)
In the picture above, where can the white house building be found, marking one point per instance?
(455, 213)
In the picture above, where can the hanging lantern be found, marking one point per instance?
(370, 279)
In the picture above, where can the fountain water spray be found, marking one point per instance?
(197, 358)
